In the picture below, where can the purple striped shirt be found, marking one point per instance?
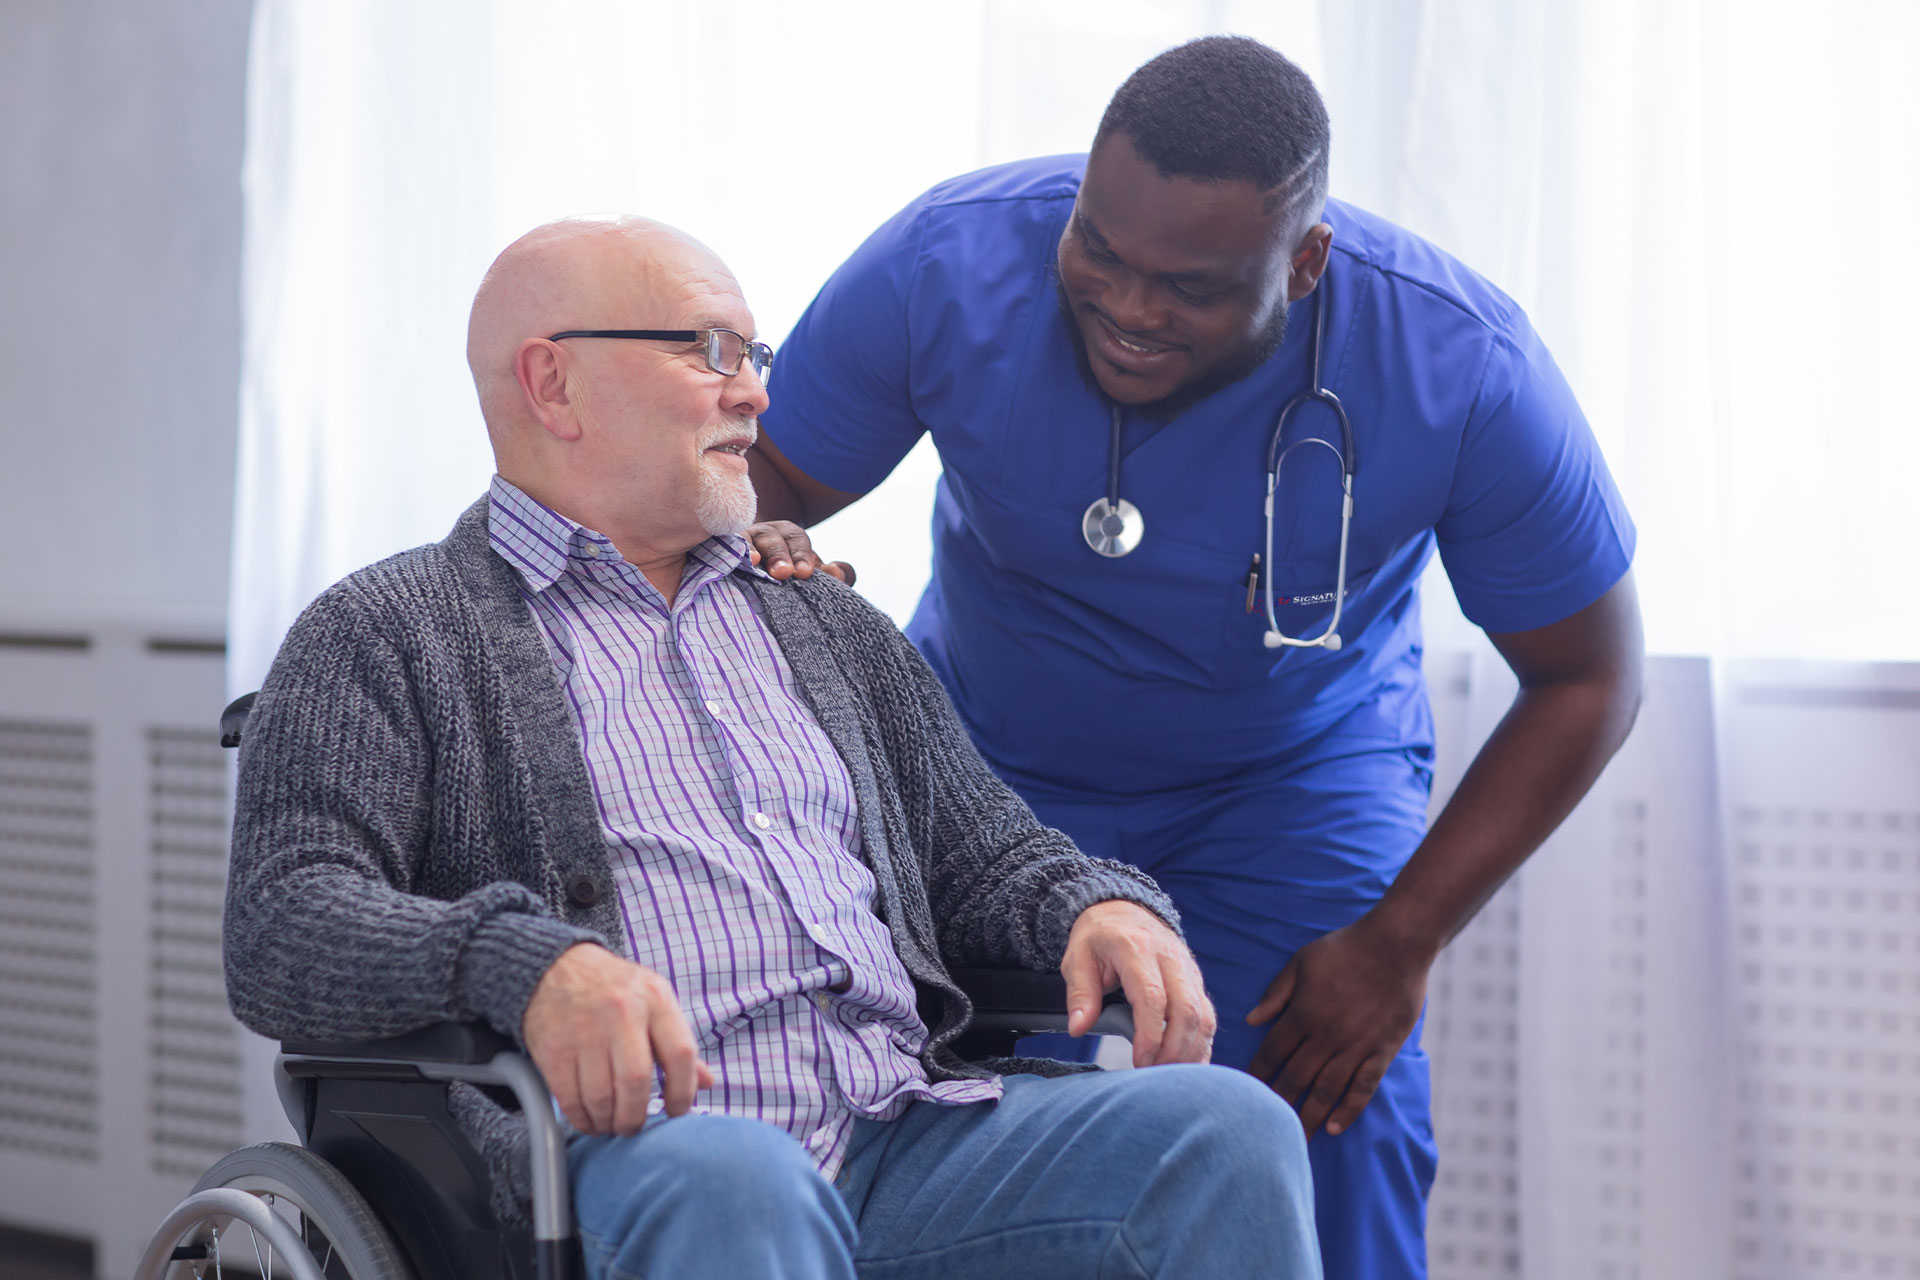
(732, 826)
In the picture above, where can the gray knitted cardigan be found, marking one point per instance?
(416, 838)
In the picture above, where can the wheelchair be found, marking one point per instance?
(384, 1184)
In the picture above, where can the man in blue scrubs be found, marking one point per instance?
(1179, 272)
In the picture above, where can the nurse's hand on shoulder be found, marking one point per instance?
(1119, 944)
(1340, 1010)
(785, 551)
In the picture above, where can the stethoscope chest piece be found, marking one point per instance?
(1112, 531)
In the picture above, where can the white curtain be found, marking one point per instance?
(1703, 204)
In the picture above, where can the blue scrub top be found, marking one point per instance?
(1079, 674)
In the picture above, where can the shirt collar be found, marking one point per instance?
(541, 544)
(724, 555)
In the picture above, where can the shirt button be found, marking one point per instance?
(713, 708)
(820, 998)
(762, 821)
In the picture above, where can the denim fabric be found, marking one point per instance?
(1190, 1172)
(707, 1196)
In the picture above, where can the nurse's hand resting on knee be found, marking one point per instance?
(785, 551)
(596, 1027)
(1340, 1009)
(1121, 944)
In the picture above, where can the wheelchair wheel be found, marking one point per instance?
(332, 1219)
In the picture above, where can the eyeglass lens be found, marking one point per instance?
(726, 349)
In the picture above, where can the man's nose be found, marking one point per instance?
(1130, 302)
(745, 393)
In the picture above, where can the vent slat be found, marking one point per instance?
(49, 1103)
(194, 1044)
(1826, 925)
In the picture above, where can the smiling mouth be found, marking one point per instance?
(738, 448)
(1120, 339)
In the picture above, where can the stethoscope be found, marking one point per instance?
(1113, 526)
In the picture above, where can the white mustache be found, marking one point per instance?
(729, 431)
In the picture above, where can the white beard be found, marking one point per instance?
(726, 503)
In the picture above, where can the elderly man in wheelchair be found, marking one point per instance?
(713, 850)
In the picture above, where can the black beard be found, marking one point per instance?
(1182, 398)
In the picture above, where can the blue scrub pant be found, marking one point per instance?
(1180, 1171)
(1258, 868)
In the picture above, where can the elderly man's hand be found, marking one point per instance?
(1122, 944)
(785, 550)
(597, 1026)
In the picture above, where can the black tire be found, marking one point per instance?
(348, 1241)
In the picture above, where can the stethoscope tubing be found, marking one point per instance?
(1277, 453)
(1330, 638)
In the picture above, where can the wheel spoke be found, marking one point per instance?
(265, 1269)
(307, 1232)
(268, 1197)
(305, 1196)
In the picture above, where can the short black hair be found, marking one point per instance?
(1228, 108)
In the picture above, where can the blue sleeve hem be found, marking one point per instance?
(1543, 609)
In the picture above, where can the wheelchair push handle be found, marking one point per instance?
(233, 720)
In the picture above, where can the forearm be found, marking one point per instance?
(1016, 903)
(1541, 759)
(324, 953)
(1005, 889)
(324, 935)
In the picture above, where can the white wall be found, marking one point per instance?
(120, 132)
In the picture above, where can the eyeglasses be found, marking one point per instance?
(725, 349)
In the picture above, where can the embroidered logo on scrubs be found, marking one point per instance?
(1318, 597)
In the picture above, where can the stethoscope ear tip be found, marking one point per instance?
(1273, 640)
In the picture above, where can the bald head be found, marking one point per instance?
(639, 439)
(577, 273)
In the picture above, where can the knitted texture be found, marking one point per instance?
(415, 823)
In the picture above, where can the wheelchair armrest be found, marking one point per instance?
(448, 1051)
(441, 1042)
(1028, 1001)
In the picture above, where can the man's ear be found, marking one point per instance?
(540, 367)
(1309, 261)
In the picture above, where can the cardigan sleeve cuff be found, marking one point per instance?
(505, 958)
(1103, 881)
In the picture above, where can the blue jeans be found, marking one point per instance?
(1172, 1171)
